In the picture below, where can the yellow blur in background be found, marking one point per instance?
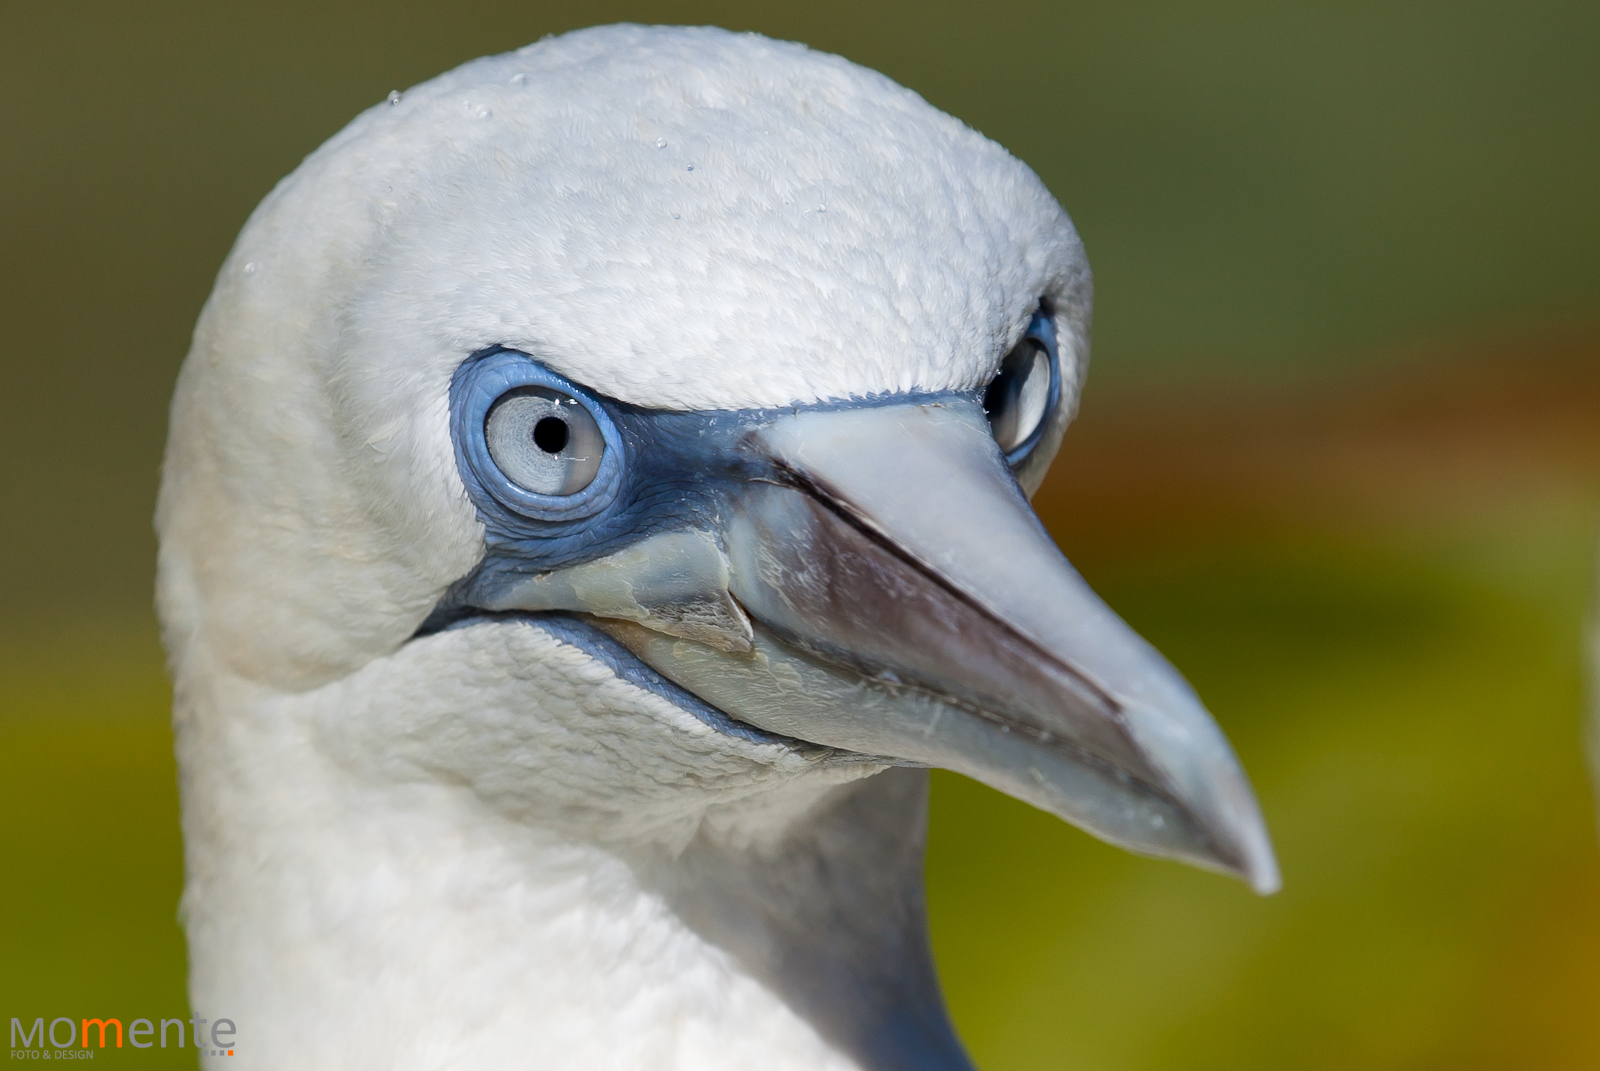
(1339, 459)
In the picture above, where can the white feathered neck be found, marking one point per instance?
(470, 854)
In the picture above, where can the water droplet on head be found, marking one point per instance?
(251, 268)
(484, 113)
(822, 208)
(690, 167)
(519, 79)
(661, 143)
(393, 97)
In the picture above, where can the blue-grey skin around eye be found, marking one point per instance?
(661, 470)
(879, 559)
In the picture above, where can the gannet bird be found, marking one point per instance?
(595, 496)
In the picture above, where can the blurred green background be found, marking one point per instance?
(1339, 458)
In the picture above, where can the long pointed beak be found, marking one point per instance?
(893, 594)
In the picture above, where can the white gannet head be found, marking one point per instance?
(622, 434)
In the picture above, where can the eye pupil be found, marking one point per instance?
(551, 435)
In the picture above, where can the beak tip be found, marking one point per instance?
(1260, 861)
(1257, 864)
(1263, 876)
(1207, 783)
(1248, 857)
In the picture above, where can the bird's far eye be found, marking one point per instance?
(544, 441)
(1019, 396)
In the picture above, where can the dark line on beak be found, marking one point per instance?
(841, 508)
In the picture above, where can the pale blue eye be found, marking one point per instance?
(544, 441)
(1019, 394)
(1024, 390)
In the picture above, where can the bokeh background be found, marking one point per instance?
(1339, 457)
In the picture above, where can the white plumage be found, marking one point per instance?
(485, 846)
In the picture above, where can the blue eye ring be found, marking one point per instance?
(483, 380)
(1041, 329)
